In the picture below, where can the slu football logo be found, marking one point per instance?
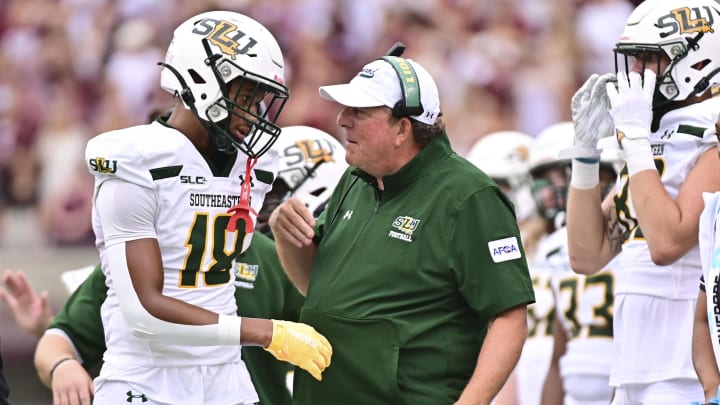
(246, 274)
(102, 165)
(225, 35)
(687, 20)
(406, 226)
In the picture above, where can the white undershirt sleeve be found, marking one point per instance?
(127, 212)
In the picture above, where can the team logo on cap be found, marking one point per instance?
(368, 73)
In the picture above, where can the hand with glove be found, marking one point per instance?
(631, 110)
(591, 121)
(591, 118)
(301, 345)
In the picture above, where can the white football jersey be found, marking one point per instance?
(676, 146)
(197, 250)
(537, 351)
(584, 306)
(654, 305)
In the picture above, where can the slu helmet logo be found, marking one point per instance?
(224, 35)
(309, 150)
(687, 20)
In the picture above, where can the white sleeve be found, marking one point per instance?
(127, 212)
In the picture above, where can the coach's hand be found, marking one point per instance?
(292, 221)
(301, 345)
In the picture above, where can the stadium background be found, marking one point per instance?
(70, 69)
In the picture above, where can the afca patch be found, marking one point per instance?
(502, 250)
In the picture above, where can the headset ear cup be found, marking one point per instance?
(404, 70)
(398, 110)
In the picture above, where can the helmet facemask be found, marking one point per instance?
(260, 109)
(549, 189)
(650, 57)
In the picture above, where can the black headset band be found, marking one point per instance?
(410, 104)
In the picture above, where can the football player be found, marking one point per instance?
(311, 162)
(175, 203)
(579, 367)
(660, 107)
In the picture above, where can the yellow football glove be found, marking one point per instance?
(301, 345)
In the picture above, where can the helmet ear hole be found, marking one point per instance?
(197, 79)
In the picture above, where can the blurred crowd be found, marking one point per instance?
(70, 69)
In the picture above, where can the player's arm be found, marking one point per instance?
(702, 351)
(127, 214)
(669, 226)
(292, 225)
(592, 243)
(498, 356)
(553, 392)
(594, 237)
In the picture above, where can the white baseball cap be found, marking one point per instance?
(378, 84)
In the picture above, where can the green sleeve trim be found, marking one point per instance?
(160, 173)
(691, 130)
(264, 176)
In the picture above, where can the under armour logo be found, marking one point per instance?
(131, 397)
(348, 214)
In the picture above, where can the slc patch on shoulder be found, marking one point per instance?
(502, 250)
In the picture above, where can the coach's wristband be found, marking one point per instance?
(59, 362)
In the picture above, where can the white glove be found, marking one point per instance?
(591, 118)
(632, 113)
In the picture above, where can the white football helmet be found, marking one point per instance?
(544, 155)
(551, 174)
(503, 156)
(210, 50)
(311, 164)
(684, 31)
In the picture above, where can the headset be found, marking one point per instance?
(410, 103)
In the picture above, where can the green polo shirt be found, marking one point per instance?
(405, 280)
(261, 290)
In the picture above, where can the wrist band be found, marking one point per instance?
(584, 175)
(229, 329)
(59, 362)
